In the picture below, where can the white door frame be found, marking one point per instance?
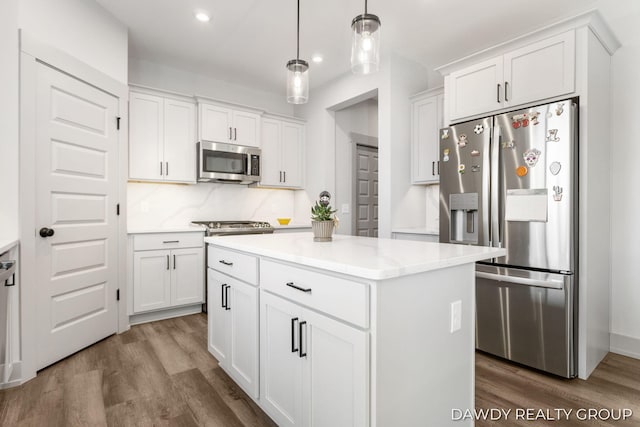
(33, 52)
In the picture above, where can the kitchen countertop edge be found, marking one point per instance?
(7, 244)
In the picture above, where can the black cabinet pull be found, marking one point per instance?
(433, 168)
(291, 285)
(506, 91)
(498, 92)
(438, 163)
(226, 292)
(168, 262)
(174, 262)
(293, 335)
(225, 262)
(300, 352)
(222, 303)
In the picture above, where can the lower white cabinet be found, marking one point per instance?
(168, 271)
(314, 371)
(233, 328)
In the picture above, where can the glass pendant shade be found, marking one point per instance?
(297, 81)
(365, 46)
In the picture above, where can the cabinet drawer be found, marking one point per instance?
(235, 264)
(154, 241)
(337, 297)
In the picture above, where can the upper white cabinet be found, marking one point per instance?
(426, 121)
(539, 70)
(220, 123)
(162, 145)
(282, 158)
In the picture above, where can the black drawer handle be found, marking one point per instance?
(171, 241)
(292, 285)
(225, 262)
(293, 335)
(223, 304)
(226, 293)
(300, 352)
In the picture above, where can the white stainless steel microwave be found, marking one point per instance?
(219, 162)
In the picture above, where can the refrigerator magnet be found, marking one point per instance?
(521, 171)
(552, 135)
(555, 167)
(475, 153)
(462, 140)
(508, 144)
(557, 193)
(559, 108)
(461, 168)
(475, 168)
(478, 129)
(533, 117)
(444, 134)
(531, 157)
(445, 155)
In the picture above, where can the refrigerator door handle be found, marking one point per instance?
(552, 284)
(494, 211)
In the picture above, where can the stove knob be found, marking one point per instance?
(218, 225)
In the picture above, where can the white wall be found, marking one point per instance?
(623, 17)
(167, 205)
(9, 119)
(361, 118)
(401, 205)
(145, 73)
(81, 28)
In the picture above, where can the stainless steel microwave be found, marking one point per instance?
(237, 164)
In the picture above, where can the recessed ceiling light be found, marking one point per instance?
(317, 58)
(202, 17)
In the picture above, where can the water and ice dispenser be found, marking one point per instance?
(463, 227)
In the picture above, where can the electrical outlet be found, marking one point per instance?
(456, 316)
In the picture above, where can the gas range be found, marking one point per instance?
(230, 228)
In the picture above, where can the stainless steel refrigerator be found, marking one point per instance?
(511, 181)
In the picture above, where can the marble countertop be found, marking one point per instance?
(415, 230)
(5, 245)
(368, 258)
(170, 229)
(296, 225)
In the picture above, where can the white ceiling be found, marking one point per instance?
(249, 41)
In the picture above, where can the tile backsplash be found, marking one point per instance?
(433, 207)
(168, 205)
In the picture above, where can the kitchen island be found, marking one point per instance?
(354, 332)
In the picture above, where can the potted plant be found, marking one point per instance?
(323, 219)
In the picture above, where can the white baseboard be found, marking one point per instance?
(152, 316)
(624, 345)
(16, 376)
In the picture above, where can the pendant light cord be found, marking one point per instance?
(298, 42)
(365, 6)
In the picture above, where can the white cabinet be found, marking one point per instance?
(314, 370)
(426, 121)
(162, 145)
(282, 153)
(220, 123)
(168, 271)
(233, 328)
(539, 70)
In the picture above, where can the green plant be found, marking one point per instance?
(321, 213)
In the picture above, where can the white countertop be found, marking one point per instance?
(368, 258)
(292, 225)
(171, 229)
(415, 230)
(5, 245)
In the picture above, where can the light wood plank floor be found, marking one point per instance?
(161, 373)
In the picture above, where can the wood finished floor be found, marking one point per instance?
(161, 374)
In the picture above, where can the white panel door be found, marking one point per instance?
(243, 363)
(215, 123)
(271, 157)
(187, 285)
(179, 141)
(292, 149)
(146, 115)
(76, 190)
(540, 70)
(217, 313)
(476, 89)
(336, 373)
(426, 123)
(246, 128)
(280, 361)
(151, 280)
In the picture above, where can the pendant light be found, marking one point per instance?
(365, 46)
(298, 75)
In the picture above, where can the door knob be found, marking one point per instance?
(46, 232)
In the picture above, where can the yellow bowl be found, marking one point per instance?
(284, 221)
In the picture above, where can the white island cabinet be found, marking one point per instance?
(353, 332)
